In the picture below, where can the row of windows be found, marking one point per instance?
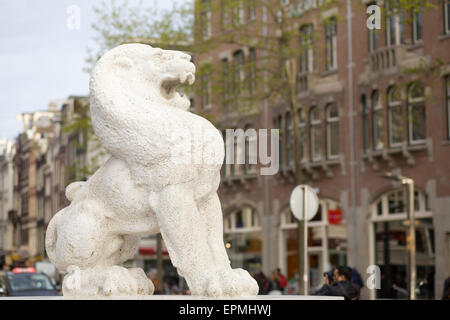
(395, 25)
(237, 77)
(415, 115)
(239, 10)
(310, 135)
(319, 135)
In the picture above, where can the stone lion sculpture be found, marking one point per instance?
(162, 176)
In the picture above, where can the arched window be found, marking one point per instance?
(416, 114)
(377, 121)
(332, 131)
(315, 134)
(289, 139)
(395, 124)
(365, 122)
(243, 239)
(388, 241)
(306, 48)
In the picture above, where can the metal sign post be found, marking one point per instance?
(304, 204)
(305, 244)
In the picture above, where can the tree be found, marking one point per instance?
(119, 22)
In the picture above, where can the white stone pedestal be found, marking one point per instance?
(183, 297)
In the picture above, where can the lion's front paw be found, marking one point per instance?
(120, 281)
(226, 283)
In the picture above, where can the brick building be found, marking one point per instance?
(376, 102)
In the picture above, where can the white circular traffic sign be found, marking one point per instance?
(296, 202)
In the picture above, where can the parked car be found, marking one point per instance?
(21, 282)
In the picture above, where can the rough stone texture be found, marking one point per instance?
(163, 176)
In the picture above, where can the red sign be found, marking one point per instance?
(335, 216)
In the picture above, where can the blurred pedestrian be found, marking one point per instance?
(265, 286)
(292, 285)
(328, 279)
(281, 279)
(341, 285)
(446, 293)
(356, 279)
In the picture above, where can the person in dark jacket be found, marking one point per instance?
(342, 286)
(265, 286)
(446, 293)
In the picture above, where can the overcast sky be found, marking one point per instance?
(41, 58)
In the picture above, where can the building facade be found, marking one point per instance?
(370, 102)
(7, 151)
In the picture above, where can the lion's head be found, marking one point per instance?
(147, 73)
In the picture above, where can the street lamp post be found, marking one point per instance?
(408, 184)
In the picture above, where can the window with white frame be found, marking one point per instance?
(416, 114)
(332, 131)
(365, 123)
(417, 25)
(395, 118)
(315, 134)
(205, 19)
(238, 12)
(377, 121)
(331, 43)
(374, 37)
(289, 139)
(243, 219)
(243, 239)
(394, 23)
(251, 10)
(225, 16)
(447, 16)
(306, 49)
(447, 100)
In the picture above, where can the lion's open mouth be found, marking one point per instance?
(172, 86)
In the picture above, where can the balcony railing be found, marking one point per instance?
(383, 59)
